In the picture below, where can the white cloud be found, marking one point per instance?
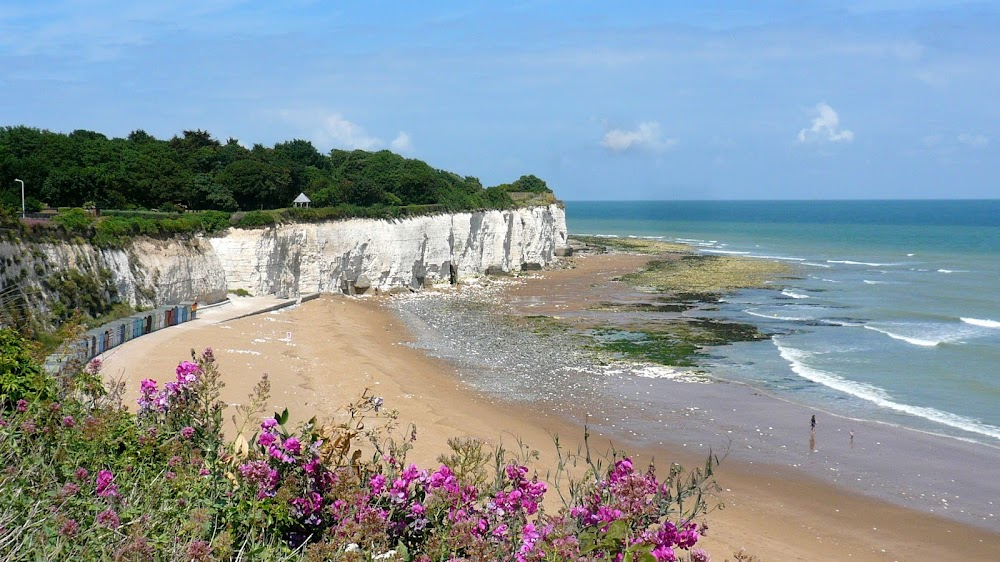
(646, 136)
(973, 140)
(341, 133)
(826, 126)
(332, 130)
(401, 143)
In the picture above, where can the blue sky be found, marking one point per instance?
(604, 100)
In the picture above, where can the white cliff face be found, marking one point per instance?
(287, 260)
(189, 271)
(304, 258)
(149, 273)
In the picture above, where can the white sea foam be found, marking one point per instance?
(851, 262)
(814, 264)
(734, 252)
(792, 294)
(779, 258)
(870, 282)
(842, 323)
(922, 342)
(952, 271)
(649, 371)
(798, 359)
(774, 316)
(922, 334)
(983, 323)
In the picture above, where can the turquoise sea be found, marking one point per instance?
(894, 316)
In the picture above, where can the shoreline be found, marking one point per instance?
(775, 512)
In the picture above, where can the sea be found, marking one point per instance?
(893, 314)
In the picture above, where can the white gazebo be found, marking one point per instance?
(302, 200)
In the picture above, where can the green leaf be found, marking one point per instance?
(618, 530)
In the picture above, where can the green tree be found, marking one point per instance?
(21, 378)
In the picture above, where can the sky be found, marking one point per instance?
(872, 99)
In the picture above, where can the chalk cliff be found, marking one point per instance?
(306, 258)
(286, 260)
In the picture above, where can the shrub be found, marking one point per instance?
(256, 219)
(21, 378)
(74, 220)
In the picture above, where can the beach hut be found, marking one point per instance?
(160, 318)
(90, 336)
(187, 314)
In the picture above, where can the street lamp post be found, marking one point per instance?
(22, 196)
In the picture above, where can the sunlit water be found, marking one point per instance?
(895, 316)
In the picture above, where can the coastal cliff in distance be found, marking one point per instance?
(296, 259)
(285, 260)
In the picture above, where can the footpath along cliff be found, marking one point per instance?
(284, 260)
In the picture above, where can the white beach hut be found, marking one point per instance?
(302, 200)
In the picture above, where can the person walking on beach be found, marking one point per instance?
(812, 423)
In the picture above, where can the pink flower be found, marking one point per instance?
(268, 423)
(292, 445)
(187, 432)
(109, 519)
(105, 486)
(82, 473)
(147, 386)
(265, 439)
(204, 472)
(169, 475)
(68, 421)
(377, 484)
(187, 372)
(94, 366)
(22, 405)
(69, 528)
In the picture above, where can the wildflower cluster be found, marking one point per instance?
(84, 480)
(174, 393)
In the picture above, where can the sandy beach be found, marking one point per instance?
(321, 354)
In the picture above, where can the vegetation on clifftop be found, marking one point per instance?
(196, 171)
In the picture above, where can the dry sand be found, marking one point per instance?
(321, 354)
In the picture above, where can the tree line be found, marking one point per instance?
(195, 171)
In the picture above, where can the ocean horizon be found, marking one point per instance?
(892, 315)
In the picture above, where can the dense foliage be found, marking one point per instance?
(195, 171)
(87, 480)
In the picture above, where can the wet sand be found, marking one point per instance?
(321, 354)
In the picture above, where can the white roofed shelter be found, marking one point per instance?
(302, 200)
